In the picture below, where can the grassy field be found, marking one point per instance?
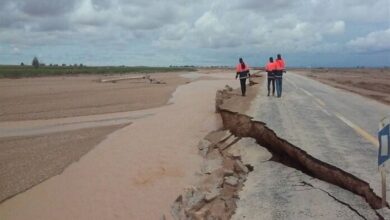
(8, 71)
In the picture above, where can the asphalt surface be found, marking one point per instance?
(334, 126)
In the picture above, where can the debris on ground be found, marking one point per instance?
(223, 175)
(221, 96)
(147, 77)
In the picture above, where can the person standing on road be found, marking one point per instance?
(270, 68)
(242, 71)
(280, 69)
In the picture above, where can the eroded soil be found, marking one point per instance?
(373, 83)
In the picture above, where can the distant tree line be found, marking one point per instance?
(185, 66)
(35, 63)
(193, 66)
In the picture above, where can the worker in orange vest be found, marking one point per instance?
(242, 71)
(270, 68)
(280, 69)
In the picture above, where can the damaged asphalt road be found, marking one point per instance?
(307, 117)
(284, 153)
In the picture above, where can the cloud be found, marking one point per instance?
(337, 27)
(360, 11)
(46, 7)
(263, 5)
(206, 28)
(35, 15)
(91, 13)
(211, 31)
(130, 16)
(173, 36)
(15, 50)
(10, 16)
(377, 41)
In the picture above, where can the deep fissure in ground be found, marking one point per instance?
(286, 153)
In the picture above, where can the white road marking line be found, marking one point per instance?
(319, 101)
(359, 130)
(307, 93)
(321, 104)
(324, 110)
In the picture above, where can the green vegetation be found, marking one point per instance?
(35, 62)
(7, 71)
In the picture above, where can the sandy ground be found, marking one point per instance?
(32, 150)
(27, 161)
(372, 83)
(237, 103)
(137, 171)
(54, 97)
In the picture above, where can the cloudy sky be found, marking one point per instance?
(180, 32)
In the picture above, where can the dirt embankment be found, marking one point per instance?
(222, 173)
(370, 82)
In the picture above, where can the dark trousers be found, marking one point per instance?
(278, 82)
(279, 86)
(243, 77)
(243, 86)
(271, 81)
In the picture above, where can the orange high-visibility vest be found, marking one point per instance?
(269, 67)
(280, 64)
(239, 68)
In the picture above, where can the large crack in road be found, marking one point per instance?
(304, 183)
(216, 197)
(288, 154)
